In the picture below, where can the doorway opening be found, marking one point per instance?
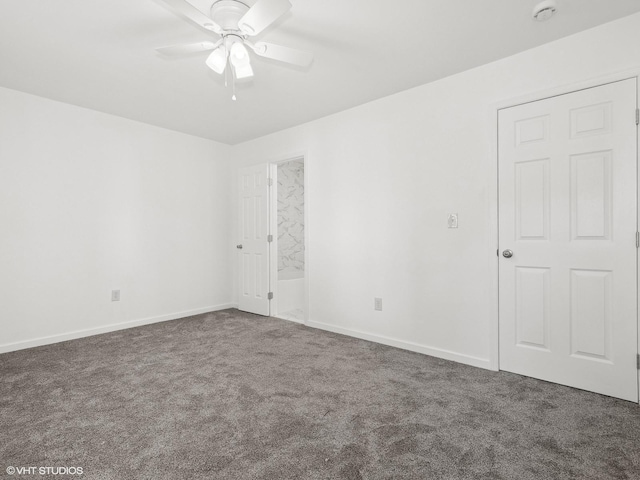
(288, 251)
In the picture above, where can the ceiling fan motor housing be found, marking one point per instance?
(227, 13)
(231, 39)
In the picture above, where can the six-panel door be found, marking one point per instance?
(253, 254)
(567, 210)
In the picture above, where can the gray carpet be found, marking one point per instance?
(230, 395)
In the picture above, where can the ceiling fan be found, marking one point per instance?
(235, 22)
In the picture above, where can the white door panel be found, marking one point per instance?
(254, 252)
(567, 210)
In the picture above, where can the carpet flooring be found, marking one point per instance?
(229, 395)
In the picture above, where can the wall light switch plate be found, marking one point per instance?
(453, 220)
(377, 303)
(115, 295)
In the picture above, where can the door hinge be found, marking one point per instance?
(637, 239)
(637, 116)
(269, 182)
(269, 238)
(638, 361)
(270, 295)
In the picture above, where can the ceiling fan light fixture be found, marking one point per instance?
(239, 58)
(238, 54)
(235, 21)
(217, 61)
(243, 71)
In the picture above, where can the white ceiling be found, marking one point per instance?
(100, 54)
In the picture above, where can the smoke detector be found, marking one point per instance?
(544, 10)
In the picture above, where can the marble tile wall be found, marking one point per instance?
(291, 216)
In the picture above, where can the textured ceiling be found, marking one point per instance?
(100, 54)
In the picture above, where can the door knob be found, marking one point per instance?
(507, 253)
(239, 247)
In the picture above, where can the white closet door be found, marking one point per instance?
(567, 211)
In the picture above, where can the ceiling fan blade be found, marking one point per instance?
(263, 14)
(282, 54)
(186, 10)
(178, 50)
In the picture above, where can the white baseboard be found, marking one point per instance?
(37, 342)
(413, 347)
(300, 322)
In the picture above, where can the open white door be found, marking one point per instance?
(253, 248)
(568, 222)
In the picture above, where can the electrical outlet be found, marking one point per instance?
(452, 222)
(115, 295)
(377, 303)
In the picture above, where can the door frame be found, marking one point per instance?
(273, 230)
(494, 334)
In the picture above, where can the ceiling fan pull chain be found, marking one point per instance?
(226, 70)
(233, 86)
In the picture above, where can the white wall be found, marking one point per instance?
(91, 202)
(382, 178)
